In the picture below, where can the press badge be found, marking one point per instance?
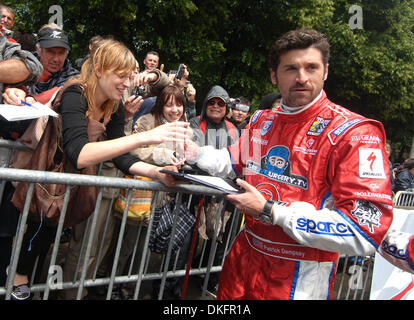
(371, 164)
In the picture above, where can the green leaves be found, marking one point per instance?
(227, 43)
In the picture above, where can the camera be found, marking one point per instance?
(233, 102)
(139, 91)
(180, 72)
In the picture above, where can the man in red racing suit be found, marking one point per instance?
(326, 170)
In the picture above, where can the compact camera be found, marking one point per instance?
(139, 91)
(180, 72)
(233, 102)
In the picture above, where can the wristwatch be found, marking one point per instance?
(266, 216)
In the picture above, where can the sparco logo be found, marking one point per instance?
(393, 250)
(324, 228)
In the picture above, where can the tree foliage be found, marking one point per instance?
(227, 42)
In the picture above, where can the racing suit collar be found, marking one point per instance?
(295, 110)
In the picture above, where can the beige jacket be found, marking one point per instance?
(161, 154)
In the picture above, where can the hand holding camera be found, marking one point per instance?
(181, 75)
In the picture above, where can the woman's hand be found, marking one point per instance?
(132, 105)
(191, 150)
(170, 132)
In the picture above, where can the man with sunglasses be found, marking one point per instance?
(212, 128)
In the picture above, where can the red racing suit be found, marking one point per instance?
(327, 170)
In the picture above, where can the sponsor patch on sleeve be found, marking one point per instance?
(371, 164)
(367, 214)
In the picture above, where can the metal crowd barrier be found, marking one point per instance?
(404, 200)
(137, 278)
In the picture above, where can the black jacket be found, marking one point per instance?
(57, 79)
(404, 180)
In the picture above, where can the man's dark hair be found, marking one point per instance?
(409, 164)
(298, 39)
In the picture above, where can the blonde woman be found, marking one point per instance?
(96, 96)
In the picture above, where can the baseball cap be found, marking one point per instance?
(49, 37)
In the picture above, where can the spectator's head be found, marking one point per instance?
(241, 111)
(409, 164)
(298, 63)
(52, 47)
(151, 60)
(388, 149)
(169, 106)
(6, 17)
(94, 43)
(215, 104)
(270, 100)
(106, 74)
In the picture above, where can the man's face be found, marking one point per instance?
(239, 116)
(300, 76)
(151, 61)
(216, 109)
(53, 58)
(6, 19)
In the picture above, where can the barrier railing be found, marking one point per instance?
(143, 273)
(404, 200)
(349, 284)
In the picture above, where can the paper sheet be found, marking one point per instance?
(16, 113)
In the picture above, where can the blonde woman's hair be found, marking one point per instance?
(109, 56)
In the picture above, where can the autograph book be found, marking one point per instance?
(224, 185)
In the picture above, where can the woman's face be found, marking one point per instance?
(113, 84)
(172, 110)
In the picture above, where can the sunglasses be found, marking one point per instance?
(219, 102)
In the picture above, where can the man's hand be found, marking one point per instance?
(166, 178)
(145, 77)
(250, 202)
(14, 96)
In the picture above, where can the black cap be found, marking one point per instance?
(49, 37)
